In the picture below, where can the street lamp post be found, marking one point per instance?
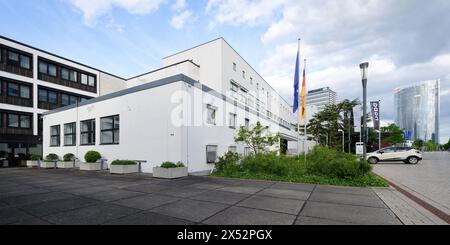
(364, 70)
(343, 139)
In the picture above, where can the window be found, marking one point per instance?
(211, 153)
(64, 74)
(243, 74)
(43, 67)
(91, 81)
(13, 89)
(232, 149)
(69, 134)
(232, 120)
(234, 87)
(47, 68)
(13, 120)
(42, 95)
(88, 132)
(25, 121)
(109, 127)
(84, 79)
(65, 100)
(25, 62)
(234, 66)
(13, 56)
(73, 76)
(247, 124)
(52, 97)
(19, 121)
(52, 70)
(251, 80)
(55, 135)
(211, 111)
(17, 90)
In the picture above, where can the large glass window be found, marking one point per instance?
(88, 132)
(42, 67)
(91, 81)
(69, 134)
(109, 130)
(17, 90)
(42, 95)
(25, 92)
(73, 76)
(84, 79)
(25, 121)
(13, 56)
(52, 70)
(65, 99)
(55, 135)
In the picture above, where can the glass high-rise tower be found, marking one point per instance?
(417, 110)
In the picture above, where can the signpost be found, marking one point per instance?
(359, 148)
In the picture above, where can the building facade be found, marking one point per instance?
(417, 110)
(33, 81)
(320, 98)
(190, 110)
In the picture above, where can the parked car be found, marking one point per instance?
(389, 154)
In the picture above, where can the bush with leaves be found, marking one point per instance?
(51, 157)
(228, 163)
(36, 157)
(68, 157)
(168, 165)
(335, 164)
(266, 163)
(92, 156)
(123, 162)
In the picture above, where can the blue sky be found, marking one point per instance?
(129, 37)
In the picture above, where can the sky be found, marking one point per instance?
(405, 41)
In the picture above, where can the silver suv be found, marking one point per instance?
(389, 154)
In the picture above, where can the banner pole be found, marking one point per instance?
(298, 109)
(304, 140)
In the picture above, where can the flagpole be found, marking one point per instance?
(298, 109)
(304, 140)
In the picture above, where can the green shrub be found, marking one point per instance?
(92, 156)
(36, 158)
(123, 162)
(168, 165)
(227, 163)
(180, 164)
(267, 163)
(68, 157)
(334, 164)
(52, 157)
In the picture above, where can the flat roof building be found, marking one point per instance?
(189, 110)
(321, 97)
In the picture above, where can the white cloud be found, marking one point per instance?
(179, 5)
(92, 9)
(179, 21)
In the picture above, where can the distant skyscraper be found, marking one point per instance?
(321, 97)
(417, 110)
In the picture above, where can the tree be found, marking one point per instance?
(393, 134)
(258, 138)
(447, 146)
(418, 143)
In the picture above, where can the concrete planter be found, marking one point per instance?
(32, 164)
(123, 169)
(45, 164)
(62, 164)
(90, 166)
(170, 173)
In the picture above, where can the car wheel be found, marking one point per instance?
(412, 160)
(373, 160)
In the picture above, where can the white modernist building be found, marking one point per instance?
(319, 98)
(190, 111)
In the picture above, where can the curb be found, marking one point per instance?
(442, 215)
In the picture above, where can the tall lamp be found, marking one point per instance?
(364, 71)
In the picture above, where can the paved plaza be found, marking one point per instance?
(429, 180)
(63, 197)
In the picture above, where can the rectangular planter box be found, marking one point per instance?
(123, 169)
(90, 166)
(61, 164)
(32, 164)
(47, 164)
(170, 173)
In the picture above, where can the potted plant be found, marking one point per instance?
(123, 167)
(67, 162)
(50, 161)
(34, 162)
(92, 161)
(170, 170)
